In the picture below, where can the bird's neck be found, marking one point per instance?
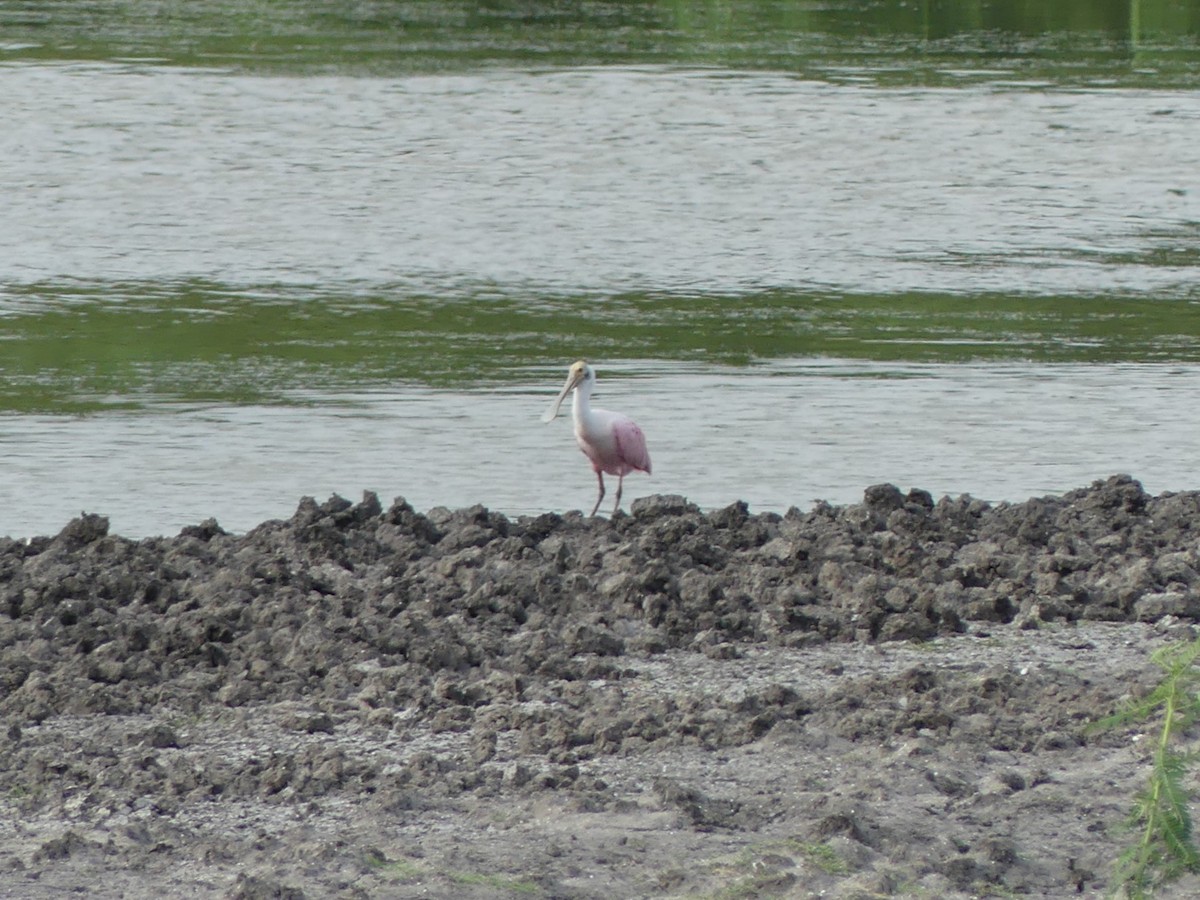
(581, 406)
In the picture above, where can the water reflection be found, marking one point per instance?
(1131, 42)
(76, 347)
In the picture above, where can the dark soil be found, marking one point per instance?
(886, 699)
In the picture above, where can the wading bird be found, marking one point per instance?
(613, 442)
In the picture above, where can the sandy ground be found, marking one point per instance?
(889, 699)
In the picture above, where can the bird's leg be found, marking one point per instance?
(600, 478)
(620, 484)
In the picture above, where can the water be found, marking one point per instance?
(596, 179)
(777, 436)
(246, 258)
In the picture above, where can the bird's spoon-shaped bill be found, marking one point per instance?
(552, 412)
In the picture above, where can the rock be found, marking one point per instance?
(456, 680)
(883, 497)
(1152, 607)
(660, 505)
(252, 887)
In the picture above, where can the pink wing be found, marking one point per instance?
(631, 445)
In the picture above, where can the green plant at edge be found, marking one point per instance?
(406, 869)
(1165, 848)
(825, 858)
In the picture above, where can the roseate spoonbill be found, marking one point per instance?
(613, 442)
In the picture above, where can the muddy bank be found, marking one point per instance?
(883, 699)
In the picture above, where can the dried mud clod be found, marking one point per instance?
(409, 663)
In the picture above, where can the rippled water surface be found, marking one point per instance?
(249, 257)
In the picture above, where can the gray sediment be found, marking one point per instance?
(868, 700)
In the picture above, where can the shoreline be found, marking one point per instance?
(887, 698)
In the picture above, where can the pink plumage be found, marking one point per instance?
(613, 442)
(631, 447)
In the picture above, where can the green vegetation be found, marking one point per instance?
(825, 858)
(1140, 42)
(1165, 847)
(72, 347)
(409, 871)
(497, 882)
(396, 868)
(766, 870)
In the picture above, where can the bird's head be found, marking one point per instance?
(579, 373)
